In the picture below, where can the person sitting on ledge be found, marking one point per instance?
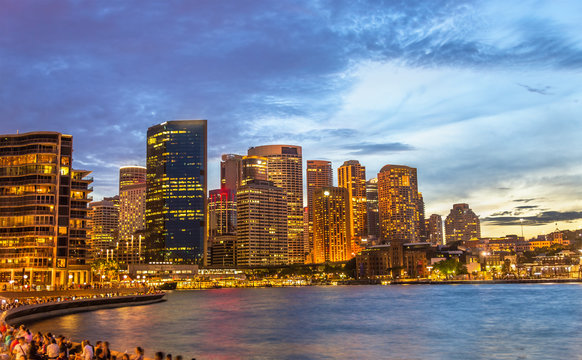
(138, 354)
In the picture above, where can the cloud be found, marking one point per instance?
(541, 91)
(543, 218)
(431, 84)
(365, 148)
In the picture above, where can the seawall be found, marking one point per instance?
(51, 309)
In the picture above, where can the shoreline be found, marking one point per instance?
(50, 309)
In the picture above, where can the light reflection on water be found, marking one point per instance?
(533, 321)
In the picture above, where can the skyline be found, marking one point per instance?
(482, 98)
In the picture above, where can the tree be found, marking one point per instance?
(450, 268)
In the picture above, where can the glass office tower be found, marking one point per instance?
(176, 192)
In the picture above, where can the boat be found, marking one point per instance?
(171, 285)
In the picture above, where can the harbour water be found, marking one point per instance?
(502, 321)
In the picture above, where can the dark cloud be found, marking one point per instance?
(543, 218)
(527, 207)
(365, 148)
(525, 200)
(542, 91)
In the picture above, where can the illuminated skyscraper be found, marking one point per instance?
(422, 235)
(352, 176)
(285, 171)
(221, 212)
(132, 204)
(331, 225)
(230, 171)
(254, 168)
(435, 229)
(131, 175)
(372, 208)
(319, 174)
(261, 237)
(222, 222)
(398, 204)
(462, 224)
(104, 224)
(43, 211)
(176, 192)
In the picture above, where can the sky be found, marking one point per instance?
(482, 97)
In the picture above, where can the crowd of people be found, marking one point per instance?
(21, 344)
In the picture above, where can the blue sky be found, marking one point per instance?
(484, 98)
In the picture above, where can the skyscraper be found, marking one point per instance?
(176, 192)
(319, 174)
(462, 224)
(132, 204)
(261, 238)
(352, 176)
(285, 171)
(435, 229)
(131, 175)
(104, 221)
(422, 234)
(43, 211)
(331, 225)
(398, 204)
(372, 208)
(254, 168)
(230, 171)
(221, 212)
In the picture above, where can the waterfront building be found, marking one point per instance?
(43, 212)
(261, 237)
(230, 171)
(435, 229)
(318, 174)
(462, 224)
(372, 214)
(352, 176)
(132, 205)
(331, 225)
(254, 168)
(285, 171)
(131, 175)
(380, 261)
(422, 231)
(176, 192)
(398, 204)
(223, 251)
(104, 224)
(221, 212)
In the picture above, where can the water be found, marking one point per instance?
(512, 321)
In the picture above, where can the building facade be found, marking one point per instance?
(261, 237)
(285, 171)
(176, 192)
(462, 224)
(331, 225)
(318, 174)
(43, 212)
(104, 224)
(372, 214)
(254, 168)
(352, 177)
(131, 175)
(398, 204)
(230, 171)
(435, 229)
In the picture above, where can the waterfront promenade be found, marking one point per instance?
(19, 343)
